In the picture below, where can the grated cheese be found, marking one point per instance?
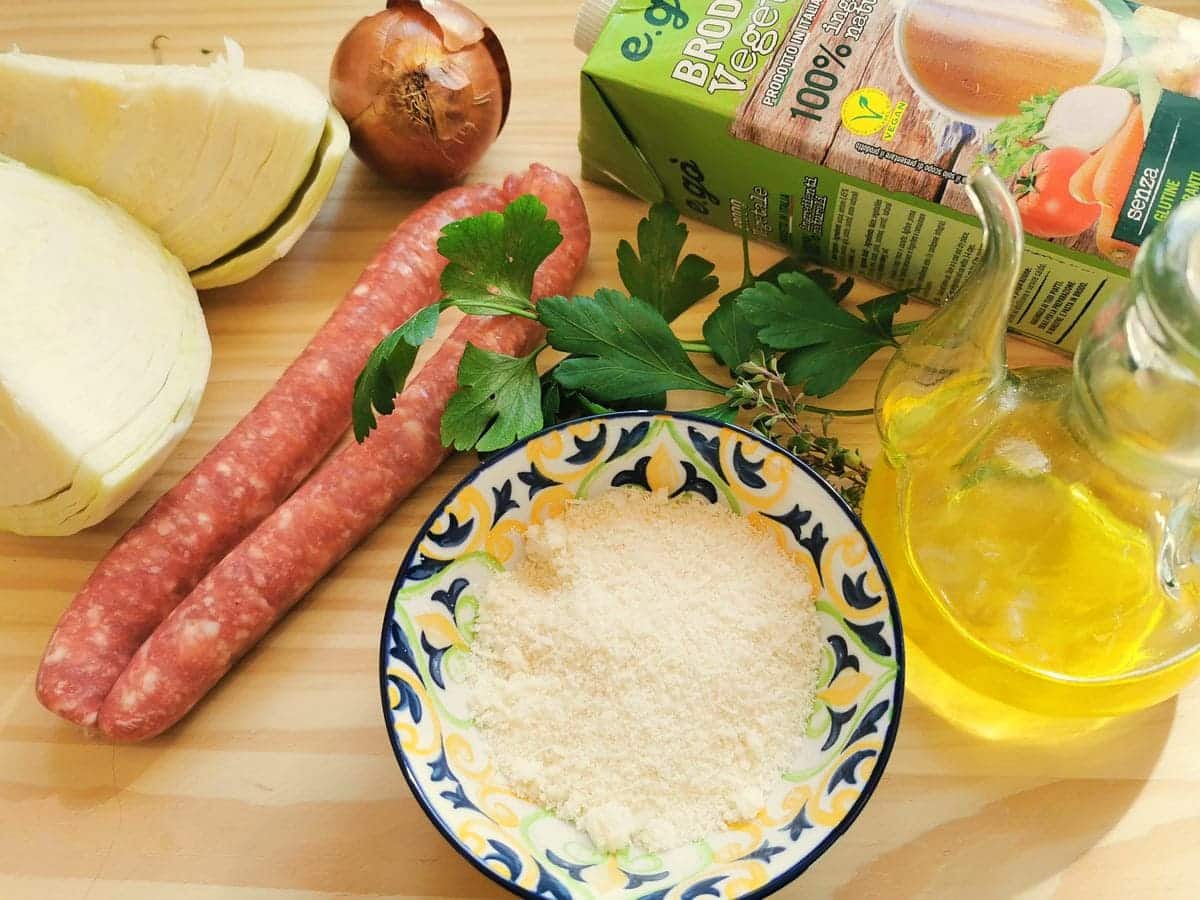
(648, 668)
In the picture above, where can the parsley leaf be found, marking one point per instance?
(654, 272)
(1012, 143)
(560, 404)
(731, 335)
(828, 282)
(734, 338)
(498, 401)
(784, 312)
(882, 310)
(725, 411)
(827, 344)
(387, 368)
(493, 257)
(824, 368)
(552, 399)
(622, 348)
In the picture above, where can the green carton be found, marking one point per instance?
(846, 130)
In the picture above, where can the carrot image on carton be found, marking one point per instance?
(846, 129)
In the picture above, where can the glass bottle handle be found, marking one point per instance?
(959, 351)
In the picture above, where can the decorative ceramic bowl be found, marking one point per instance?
(478, 529)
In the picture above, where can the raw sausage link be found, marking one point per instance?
(248, 473)
(262, 578)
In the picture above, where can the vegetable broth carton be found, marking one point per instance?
(847, 129)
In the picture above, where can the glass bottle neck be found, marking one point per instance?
(1137, 371)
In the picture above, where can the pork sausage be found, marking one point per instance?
(355, 490)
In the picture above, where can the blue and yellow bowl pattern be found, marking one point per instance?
(479, 528)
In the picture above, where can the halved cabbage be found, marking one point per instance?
(209, 157)
(274, 243)
(103, 354)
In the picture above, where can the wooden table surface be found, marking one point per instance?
(282, 783)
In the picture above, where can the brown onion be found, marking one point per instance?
(424, 87)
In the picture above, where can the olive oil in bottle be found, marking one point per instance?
(1039, 525)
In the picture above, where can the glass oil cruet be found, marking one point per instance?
(1040, 524)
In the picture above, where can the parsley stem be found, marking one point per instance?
(695, 346)
(903, 328)
(747, 272)
(498, 307)
(826, 411)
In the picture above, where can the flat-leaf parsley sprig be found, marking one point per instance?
(783, 336)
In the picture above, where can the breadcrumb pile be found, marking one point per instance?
(647, 670)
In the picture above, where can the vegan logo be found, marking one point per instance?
(866, 111)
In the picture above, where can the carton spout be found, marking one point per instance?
(590, 21)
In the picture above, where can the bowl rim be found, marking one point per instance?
(784, 878)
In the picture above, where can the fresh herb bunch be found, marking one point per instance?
(782, 335)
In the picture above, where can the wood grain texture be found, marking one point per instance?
(827, 141)
(282, 785)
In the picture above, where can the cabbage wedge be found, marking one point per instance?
(211, 158)
(103, 354)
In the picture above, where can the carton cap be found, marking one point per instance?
(590, 21)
